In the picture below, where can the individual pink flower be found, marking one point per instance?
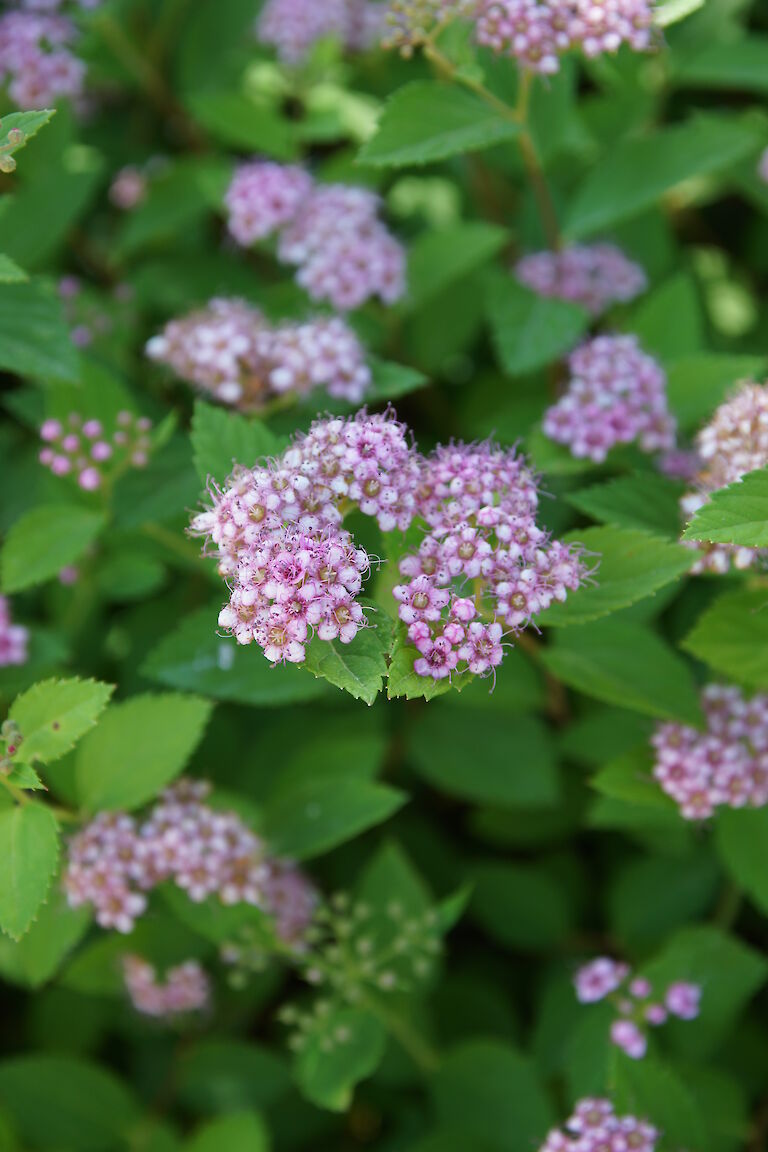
(683, 999)
(626, 1035)
(596, 980)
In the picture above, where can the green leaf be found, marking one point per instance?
(313, 816)
(678, 297)
(230, 1075)
(672, 11)
(401, 678)
(237, 1132)
(637, 171)
(443, 749)
(738, 64)
(34, 959)
(642, 500)
(213, 920)
(45, 540)
(177, 200)
(736, 514)
(626, 665)
(530, 331)
(650, 1090)
(649, 896)
(427, 121)
(239, 122)
(221, 439)
(742, 843)
(10, 272)
(359, 667)
(630, 778)
(54, 715)
(138, 748)
(489, 1094)
(34, 338)
(389, 381)
(29, 852)
(29, 123)
(697, 384)
(342, 1048)
(85, 1107)
(631, 566)
(194, 658)
(438, 258)
(732, 636)
(523, 907)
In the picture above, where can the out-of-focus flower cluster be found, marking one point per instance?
(186, 988)
(726, 764)
(409, 23)
(36, 60)
(91, 316)
(632, 996)
(115, 860)
(293, 27)
(13, 637)
(331, 233)
(85, 451)
(595, 1127)
(734, 442)
(230, 351)
(592, 275)
(616, 394)
(483, 564)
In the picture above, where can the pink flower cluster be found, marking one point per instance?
(538, 32)
(331, 233)
(616, 394)
(592, 275)
(13, 638)
(483, 563)
(733, 443)
(35, 60)
(82, 449)
(114, 861)
(229, 350)
(726, 765)
(186, 988)
(632, 997)
(595, 1127)
(277, 531)
(293, 27)
(410, 22)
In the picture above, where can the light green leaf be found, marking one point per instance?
(34, 959)
(736, 514)
(54, 715)
(221, 439)
(427, 121)
(313, 816)
(29, 852)
(642, 500)
(742, 843)
(732, 636)
(236, 1132)
(342, 1048)
(528, 330)
(389, 381)
(237, 121)
(631, 565)
(359, 667)
(34, 339)
(697, 384)
(28, 123)
(215, 921)
(672, 11)
(627, 665)
(10, 272)
(45, 540)
(638, 170)
(440, 257)
(138, 748)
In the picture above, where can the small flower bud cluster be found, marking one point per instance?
(35, 61)
(186, 988)
(128, 188)
(538, 32)
(409, 23)
(595, 1127)
(293, 27)
(292, 900)
(14, 138)
(632, 997)
(13, 638)
(726, 765)
(616, 395)
(592, 275)
(228, 350)
(483, 563)
(115, 860)
(733, 443)
(331, 233)
(83, 450)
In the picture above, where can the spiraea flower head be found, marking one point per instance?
(293, 27)
(13, 637)
(595, 1127)
(262, 197)
(616, 394)
(726, 764)
(594, 276)
(185, 989)
(88, 452)
(36, 62)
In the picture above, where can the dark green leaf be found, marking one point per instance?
(45, 540)
(314, 816)
(528, 330)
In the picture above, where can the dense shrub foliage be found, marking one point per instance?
(383, 535)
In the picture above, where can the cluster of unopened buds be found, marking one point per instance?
(595, 1127)
(85, 451)
(726, 765)
(114, 861)
(14, 138)
(293, 27)
(632, 996)
(331, 233)
(185, 989)
(36, 63)
(616, 394)
(230, 351)
(595, 276)
(734, 442)
(13, 637)
(411, 23)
